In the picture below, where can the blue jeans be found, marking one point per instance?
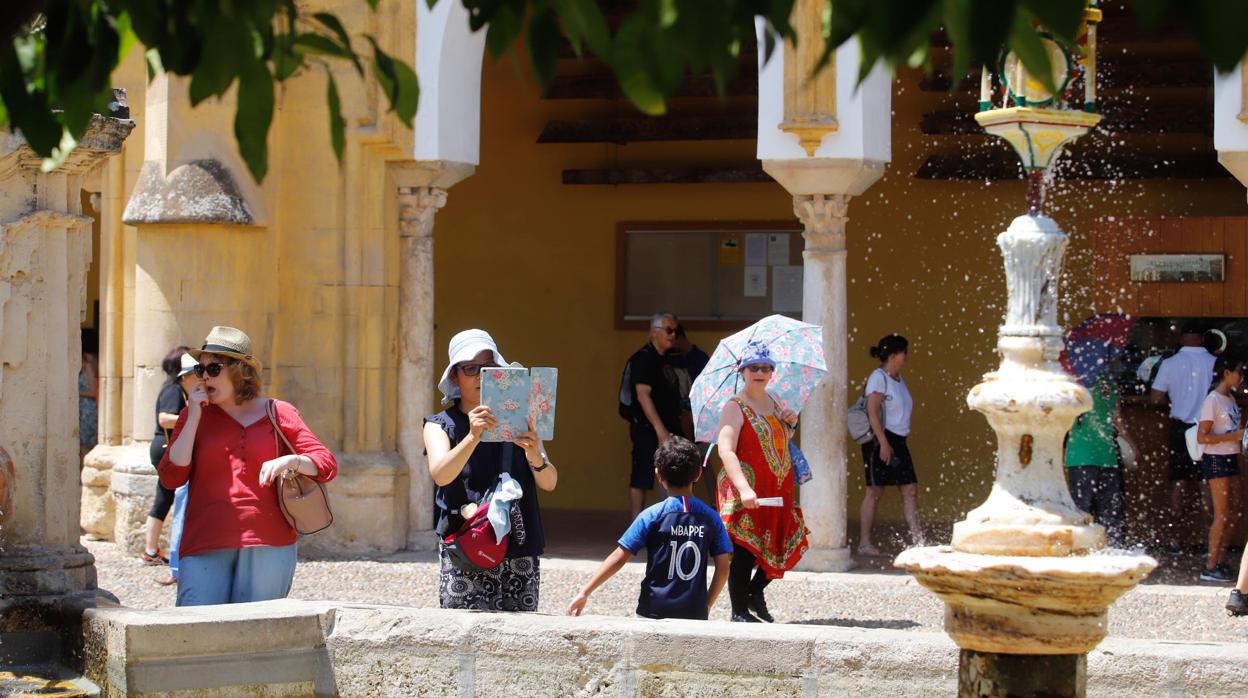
(236, 576)
(175, 528)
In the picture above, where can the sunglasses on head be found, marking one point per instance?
(472, 370)
(212, 370)
(760, 368)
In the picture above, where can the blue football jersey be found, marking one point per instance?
(680, 535)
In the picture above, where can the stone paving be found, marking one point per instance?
(865, 598)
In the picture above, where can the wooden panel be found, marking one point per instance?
(1115, 241)
(1235, 240)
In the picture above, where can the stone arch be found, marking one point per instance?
(448, 65)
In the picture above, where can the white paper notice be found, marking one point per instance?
(778, 249)
(786, 296)
(755, 281)
(755, 249)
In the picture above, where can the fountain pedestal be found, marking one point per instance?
(1026, 581)
(1025, 598)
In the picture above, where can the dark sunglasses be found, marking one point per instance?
(472, 370)
(760, 368)
(667, 330)
(213, 369)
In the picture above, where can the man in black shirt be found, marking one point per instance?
(656, 407)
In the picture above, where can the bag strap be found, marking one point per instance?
(270, 409)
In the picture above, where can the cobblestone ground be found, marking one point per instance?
(869, 599)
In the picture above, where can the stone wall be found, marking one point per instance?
(291, 647)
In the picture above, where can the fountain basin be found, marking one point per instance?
(1025, 605)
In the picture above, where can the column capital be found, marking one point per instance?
(417, 207)
(824, 217)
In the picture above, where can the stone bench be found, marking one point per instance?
(296, 647)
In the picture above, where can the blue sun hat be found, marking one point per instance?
(755, 353)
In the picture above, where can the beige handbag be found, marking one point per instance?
(303, 500)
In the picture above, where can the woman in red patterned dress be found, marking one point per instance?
(754, 447)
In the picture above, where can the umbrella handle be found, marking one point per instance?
(707, 458)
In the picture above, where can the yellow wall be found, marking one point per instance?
(533, 261)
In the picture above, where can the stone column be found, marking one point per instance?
(421, 191)
(823, 421)
(46, 577)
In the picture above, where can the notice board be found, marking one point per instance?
(709, 273)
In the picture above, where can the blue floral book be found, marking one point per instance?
(516, 394)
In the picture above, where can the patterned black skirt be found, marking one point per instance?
(512, 586)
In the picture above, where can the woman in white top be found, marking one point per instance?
(887, 457)
(1220, 431)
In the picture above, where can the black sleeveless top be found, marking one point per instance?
(479, 476)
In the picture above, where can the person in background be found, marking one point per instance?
(88, 394)
(464, 469)
(887, 457)
(1237, 602)
(179, 370)
(694, 358)
(236, 544)
(657, 405)
(1183, 379)
(1092, 469)
(1221, 431)
(680, 535)
(754, 435)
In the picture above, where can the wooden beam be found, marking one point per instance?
(1003, 164)
(740, 174)
(604, 86)
(738, 124)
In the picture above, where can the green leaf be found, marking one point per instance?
(337, 126)
(503, 29)
(318, 44)
(544, 39)
(398, 82)
(1220, 28)
(126, 35)
(27, 106)
(584, 24)
(254, 116)
(331, 22)
(1029, 47)
(629, 58)
(1060, 17)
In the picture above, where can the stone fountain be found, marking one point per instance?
(1027, 580)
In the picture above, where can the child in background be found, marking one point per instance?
(679, 534)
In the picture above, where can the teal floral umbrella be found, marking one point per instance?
(796, 347)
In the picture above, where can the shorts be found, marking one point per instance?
(645, 443)
(1182, 467)
(898, 471)
(1214, 466)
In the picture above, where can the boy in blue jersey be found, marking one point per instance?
(679, 534)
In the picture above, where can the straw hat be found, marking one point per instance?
(463, 347)
(228, 341)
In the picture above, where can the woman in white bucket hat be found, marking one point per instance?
(465, 469)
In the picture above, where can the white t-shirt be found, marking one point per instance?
(1224, 413)
(897, 401)
(1186, 378)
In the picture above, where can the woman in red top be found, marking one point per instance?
(236, 545)
(754, 447)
